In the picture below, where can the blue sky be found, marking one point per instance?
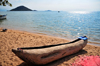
(55, 5)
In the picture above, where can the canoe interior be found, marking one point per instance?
(40, 47)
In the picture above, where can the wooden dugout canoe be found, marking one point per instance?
(45, 54)
(2, 17)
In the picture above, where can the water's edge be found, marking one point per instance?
(90, 43)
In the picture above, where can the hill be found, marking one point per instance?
(21, 8)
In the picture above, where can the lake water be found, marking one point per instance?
(69, 25)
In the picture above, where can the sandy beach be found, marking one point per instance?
(14, 39)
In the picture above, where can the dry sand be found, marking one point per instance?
(14, 39)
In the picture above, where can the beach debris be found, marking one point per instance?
(4, 30)
(87, 61)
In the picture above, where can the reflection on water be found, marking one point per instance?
(80, 12)
(64, 24)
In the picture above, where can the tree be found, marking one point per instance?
(5, 2)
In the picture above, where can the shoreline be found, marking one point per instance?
(36, 32)
(15, 38)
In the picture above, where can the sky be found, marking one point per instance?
(56, 5)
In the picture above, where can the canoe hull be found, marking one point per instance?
(2, 17)
(42, 56)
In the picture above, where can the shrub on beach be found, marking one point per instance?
(87, 61)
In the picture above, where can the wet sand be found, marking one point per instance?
(14, 39)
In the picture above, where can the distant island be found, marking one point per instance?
(21, 8)
(48, 10)
(34, 10)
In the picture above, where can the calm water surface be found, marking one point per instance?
(69, 25)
